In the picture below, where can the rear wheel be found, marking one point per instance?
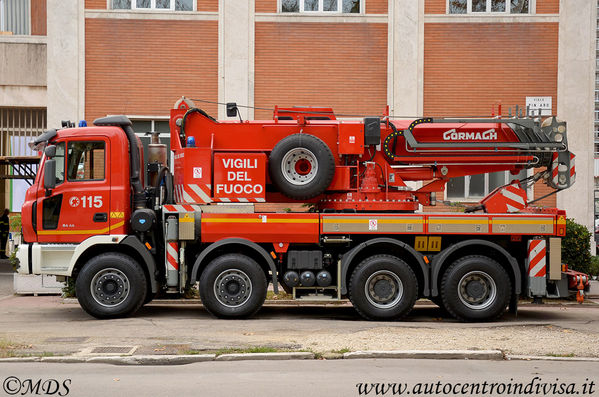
(111, 285)
(383, 287)
(233, 286)
(475, 288)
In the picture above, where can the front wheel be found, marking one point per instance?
(233, 286)
(383, 287)
(475, 288)
(111, 285)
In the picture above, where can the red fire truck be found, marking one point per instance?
(91, 216)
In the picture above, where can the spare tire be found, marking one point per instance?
(301, 166)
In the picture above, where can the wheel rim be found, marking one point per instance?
(477, 290)
(383, 289)
(232, 288)
(299, 166)
(110, 287)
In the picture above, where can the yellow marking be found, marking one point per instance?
(522, 222)
(457, 221)
(365, 220)
(117, 215)
(434, 243)
(421, 243)
(561, 220)
(256, 220)
(97, 231)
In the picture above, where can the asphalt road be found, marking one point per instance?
(304, 378)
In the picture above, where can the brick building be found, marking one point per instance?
(420, 57)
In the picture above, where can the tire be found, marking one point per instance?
(301, 166)
(475, 288)
(97, 280)
(245, 281)
(388, 276)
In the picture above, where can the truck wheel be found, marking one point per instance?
(111, 285)
(233, 286)
(383, 287)
(301, 166)
(475, 288)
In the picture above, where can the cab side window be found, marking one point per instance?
(59, 163)
(85, 161)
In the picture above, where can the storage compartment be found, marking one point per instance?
(311, 260)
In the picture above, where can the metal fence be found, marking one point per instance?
(18, 126)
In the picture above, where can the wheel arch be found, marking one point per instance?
(242, 246)
(475, 247)
(128, 245)
(413, 258)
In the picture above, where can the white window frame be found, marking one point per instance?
(320, 7)
(2, 16)
(532, 6)
(152, 6)
(194, 6)
(473, 199)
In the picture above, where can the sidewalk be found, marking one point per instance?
(46, 326)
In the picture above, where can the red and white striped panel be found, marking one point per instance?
(515, 197)
(192, 193)
(554, 169)
(572, 168)
(181, 208)
(172, 255)
(537, 258)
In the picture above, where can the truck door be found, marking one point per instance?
(78, 206)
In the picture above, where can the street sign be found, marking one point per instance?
(542, 103)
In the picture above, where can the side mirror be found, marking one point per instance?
(50, 173)
(50, 151)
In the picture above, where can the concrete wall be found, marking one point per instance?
(22, 71)
(575, 101)
(236, 55)
(406, 57)
(66, 61)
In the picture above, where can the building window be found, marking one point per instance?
(143, 128)
(475, 187)
(322, 6)
(489, 6)
(173, 5)
(15, 17)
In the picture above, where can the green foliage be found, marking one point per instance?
(68, 291)
(576, 247)
(15, 223)
(594, 266)
(13, 260)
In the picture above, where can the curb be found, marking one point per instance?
(428, 354)
(494, 355)
(153, 360)
(550, 358)
(266, 356)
